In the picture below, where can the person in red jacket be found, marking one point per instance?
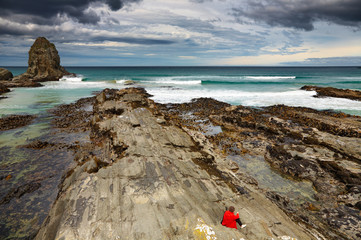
(230, 220)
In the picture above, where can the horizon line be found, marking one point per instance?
(195, 66)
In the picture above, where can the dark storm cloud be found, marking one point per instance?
(46, 11)
(141, 41)
(301, 14)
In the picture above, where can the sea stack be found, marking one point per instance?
(44, 63)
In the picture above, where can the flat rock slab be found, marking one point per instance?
(153, 181)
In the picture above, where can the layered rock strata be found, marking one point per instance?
(142, 177)
(43, 63)
(320, 147)
(334, 92)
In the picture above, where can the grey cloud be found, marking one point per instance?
(330, 61)
(46, 12)
(58, 35)
(114, 4)
(89, 18)
(301, 14)
(141, 41)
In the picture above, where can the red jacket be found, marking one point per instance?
(229, 219)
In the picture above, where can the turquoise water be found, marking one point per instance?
(249, 86)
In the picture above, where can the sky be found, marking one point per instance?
(185, 32)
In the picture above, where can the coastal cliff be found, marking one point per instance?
(144, 176)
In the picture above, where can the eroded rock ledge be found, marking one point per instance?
(144, 177)
(322, 147)
(334, 92)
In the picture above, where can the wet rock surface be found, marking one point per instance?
(20, 83)
(302, 145)
(20, 191)
(141, 176)
(15, 121)
(334, 92)
(32, 167)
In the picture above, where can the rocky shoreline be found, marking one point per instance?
(144, 170)
(303, 144)
(334, 92)
(153, 170)
(43, 65)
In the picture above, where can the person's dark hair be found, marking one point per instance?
(231, 209)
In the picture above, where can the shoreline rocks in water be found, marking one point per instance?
(334, 92)
(15, 121)
(4, 76)
(3, 89)
(143, 177)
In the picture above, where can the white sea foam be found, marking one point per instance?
(71, 82)
(79, 85)
(270, 77)
(297, 98)
(78, 78)
(121, 81)
(175, 81)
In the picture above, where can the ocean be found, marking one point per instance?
(22, 167)
(248, 86)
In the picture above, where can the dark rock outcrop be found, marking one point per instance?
(15, 121)
(3, 89)
(44, 63)
(18, 192)
(5, 74)
(21, 83)
(334, 92)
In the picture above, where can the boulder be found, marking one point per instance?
(44, 63)
(5, 74)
